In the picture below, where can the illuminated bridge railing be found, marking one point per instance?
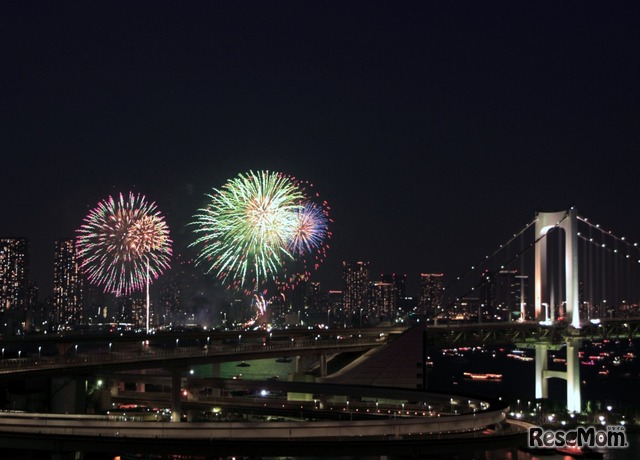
(150, 356)
(530, 332)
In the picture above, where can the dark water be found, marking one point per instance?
(619, 388)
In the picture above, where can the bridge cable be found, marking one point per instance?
(516, 256)
(489, 257)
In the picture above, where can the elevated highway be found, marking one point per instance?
(415, 430)
(141, 355)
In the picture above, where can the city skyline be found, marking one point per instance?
(434, 132)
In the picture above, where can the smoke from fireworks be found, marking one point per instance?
(119, 240)
(256, 223)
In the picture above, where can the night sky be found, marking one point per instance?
(435, 130)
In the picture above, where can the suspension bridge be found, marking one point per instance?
(583, 277)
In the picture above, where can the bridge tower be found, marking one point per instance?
(545, 221)
(567, 221)
(571, 375)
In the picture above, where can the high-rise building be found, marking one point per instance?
(399, 281)
(384, 300)
(169, 302)
(335, 312)
(177, 286)
(487, 293)
(431, 289)
(68, 285)
(14, 274)
(355, 295)
(313, 299)
(502, 294)
(523, 282)
(139, 313)
(295, 291)
(17, 296)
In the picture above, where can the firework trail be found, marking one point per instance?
(119, 240)
(260, 303)
(244, 231)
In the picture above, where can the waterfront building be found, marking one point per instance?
(431, 290)
(68, 285)
(355, 294)
(17, 295)
(384, 300)
(14, 274)
(403, 301)
(502, 295)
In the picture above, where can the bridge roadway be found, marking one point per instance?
(115, 336)
(82, 352)
(532, 332)
(141, 355)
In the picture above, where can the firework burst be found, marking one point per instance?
(120, 240)
(311, 227)
(309, 241)
(244, 231)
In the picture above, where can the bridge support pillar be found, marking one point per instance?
(323, 365)
(298, 364)
(68, 396)
(215, 370)
(176, 407)
(215, 373)
(542, 389)
(574, 399)
(114, 387)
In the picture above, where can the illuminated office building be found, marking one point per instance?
(399, 281)
(431, 289)
(384, 300)
(314, 297)
(68, 285)
(139, 313)
(355, 295)
(502, 294)
(404, 302)
(14, 274)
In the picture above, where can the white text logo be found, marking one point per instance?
(613, 437)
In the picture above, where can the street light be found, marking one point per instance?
(110, 347)
(39, 352)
